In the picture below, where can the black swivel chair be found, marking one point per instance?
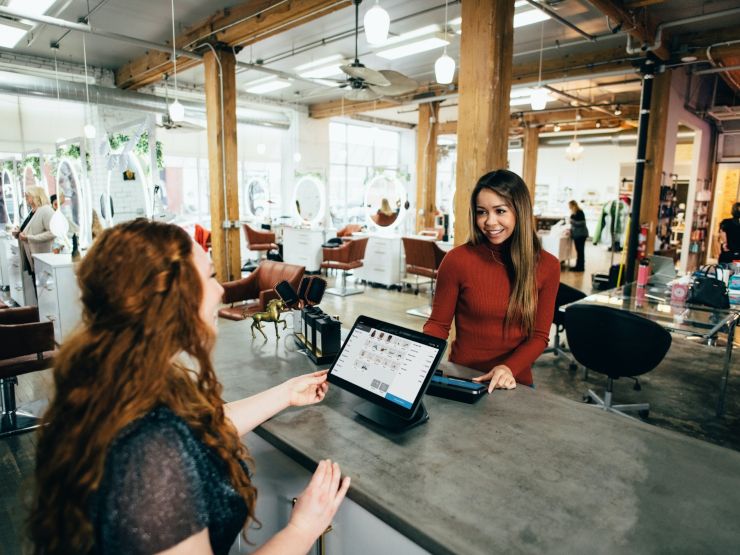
(566, 295)
(616, 343)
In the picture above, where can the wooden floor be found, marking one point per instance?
(682, 391)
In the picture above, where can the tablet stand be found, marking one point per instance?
(389, 420)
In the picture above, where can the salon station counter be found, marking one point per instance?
(302, 246)
(520, 471)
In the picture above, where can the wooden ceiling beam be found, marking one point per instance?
(638, 25)
(238, 26)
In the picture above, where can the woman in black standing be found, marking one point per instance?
(729, 236)
(579, 234)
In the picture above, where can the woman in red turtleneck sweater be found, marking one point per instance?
(500, 286)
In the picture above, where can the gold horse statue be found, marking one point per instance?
(272, 314)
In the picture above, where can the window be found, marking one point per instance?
(356, 153)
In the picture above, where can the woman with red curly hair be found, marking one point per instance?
(139, 453)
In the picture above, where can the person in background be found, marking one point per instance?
(36, 236)
(385, 215)
(54, 203)
(579, 234)
(499, 287)
(139, 453)
(729, 237)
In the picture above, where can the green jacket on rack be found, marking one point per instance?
(616, 212)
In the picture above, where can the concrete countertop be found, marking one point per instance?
(520, 471)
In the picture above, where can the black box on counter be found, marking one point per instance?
(327, 336)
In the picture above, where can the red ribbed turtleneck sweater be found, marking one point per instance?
(474, 288)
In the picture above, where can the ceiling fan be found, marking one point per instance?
(369, 84)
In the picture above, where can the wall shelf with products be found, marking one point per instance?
(700, 219)
(666, 213)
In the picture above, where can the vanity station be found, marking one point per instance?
(21, 284)
(520, 471)
(302, 246)
(58, 293)
(382, 263)
(384, 211)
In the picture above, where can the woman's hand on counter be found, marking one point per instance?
(307, 389)
(500, 377)
(316, 506)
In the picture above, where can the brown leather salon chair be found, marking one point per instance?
(423, 257)
(260, 242)
(26, 345)
(346, 257)
(252, 293)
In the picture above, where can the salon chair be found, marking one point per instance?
(26, 345)
(615, 343)
(346, 257)
(202, 236)
(566, 295)
(344, 234)
(259, 241)
(423, 257)
(252, 293)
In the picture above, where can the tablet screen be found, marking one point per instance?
(387, 364)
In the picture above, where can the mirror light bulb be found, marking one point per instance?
(444, 69)
(89, 131)
(297, 157)
(377, 22)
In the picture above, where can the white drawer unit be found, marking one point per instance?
(21, 285)
(382, 264)
(303, 247)
(5, 240)
(58, 293)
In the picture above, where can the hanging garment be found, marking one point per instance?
(613, 218)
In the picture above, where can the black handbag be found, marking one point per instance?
(708, 290)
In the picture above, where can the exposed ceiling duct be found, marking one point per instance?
(40, 87)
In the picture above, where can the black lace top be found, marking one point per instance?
(161, 485)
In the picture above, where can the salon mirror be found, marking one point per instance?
(384, 201)
(71, 196)
(7, 199)
(256, 197)
(308, 199)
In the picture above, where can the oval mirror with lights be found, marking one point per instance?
(8, 200)
(309, 199)
(71, 196)
(385, 197)
(257, 197)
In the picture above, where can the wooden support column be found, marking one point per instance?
(531, 146)
(220, 87)
(486, 50)
(426, 164)
(654, 155)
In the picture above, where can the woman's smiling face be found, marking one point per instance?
(494, 217)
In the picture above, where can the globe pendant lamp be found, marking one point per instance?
(377, 22)
(444, 67)
(575, 149)
(176, 110)
(539, 97)
(89, 128)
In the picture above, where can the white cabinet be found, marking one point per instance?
(21, 285)
(560, 246)
(58, 293)
(382, 262)
(5, 240)
(303, 247)
(279, 479)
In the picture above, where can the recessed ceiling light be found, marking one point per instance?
(35, 7)
(412, 48)
(11, 34)
(262, 86)
(689, 59)
(336, 58)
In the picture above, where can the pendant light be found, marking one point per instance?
(540, 96)
(89, 129)
(444, 67)
(377, 22)
(177, 110)
(575, 149)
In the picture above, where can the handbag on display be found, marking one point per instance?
(708, 290)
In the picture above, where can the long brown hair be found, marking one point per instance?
(141, 294)
(524, 245)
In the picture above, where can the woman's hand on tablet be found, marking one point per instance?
(500, 377)
(307, 389)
